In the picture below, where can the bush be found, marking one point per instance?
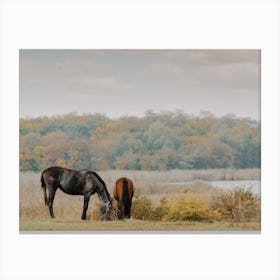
(160, 210)
(184, 208)
(142, 208)
(237, 205)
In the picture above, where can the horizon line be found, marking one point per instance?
(201, 114)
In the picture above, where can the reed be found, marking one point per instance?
(155, 186)
(181, 175)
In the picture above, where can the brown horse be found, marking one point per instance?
(123, 193)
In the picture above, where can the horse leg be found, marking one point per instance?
(86, 200)
(51, 199)
(128, 210)
(121, 210)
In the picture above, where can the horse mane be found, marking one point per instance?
(103, 183)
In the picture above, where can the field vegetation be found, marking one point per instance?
(159, 204)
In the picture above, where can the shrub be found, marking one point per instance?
(184, 208)
(142, 208)
(160, 210)
(237, 205)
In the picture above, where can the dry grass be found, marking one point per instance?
(32, 205)
(151, 189)
(181, 175)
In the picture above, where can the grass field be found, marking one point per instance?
(133, 225)
(151, 187)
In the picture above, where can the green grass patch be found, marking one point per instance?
(134, 225)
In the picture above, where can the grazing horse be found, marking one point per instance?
(84, 182)
(123, 193)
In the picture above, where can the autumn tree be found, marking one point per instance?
(157, 141)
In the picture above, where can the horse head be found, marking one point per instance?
(106, 209)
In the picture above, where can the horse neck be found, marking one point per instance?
(102, 190)
(103, 195)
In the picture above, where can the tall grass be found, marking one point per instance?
(182, 175)
(31, 202)
(156, 197)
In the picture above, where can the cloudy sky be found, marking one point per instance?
(129, 82)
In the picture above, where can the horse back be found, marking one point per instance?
(69, 181)
(123, 188)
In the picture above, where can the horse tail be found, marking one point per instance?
(43, 185)
(125, 191)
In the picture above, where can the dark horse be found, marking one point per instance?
(123, 193)
(84, 182)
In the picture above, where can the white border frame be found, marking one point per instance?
(156, 24)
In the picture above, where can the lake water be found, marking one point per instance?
(254, 185)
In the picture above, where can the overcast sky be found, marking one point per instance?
(129, 82)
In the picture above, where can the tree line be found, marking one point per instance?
(157, 141)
